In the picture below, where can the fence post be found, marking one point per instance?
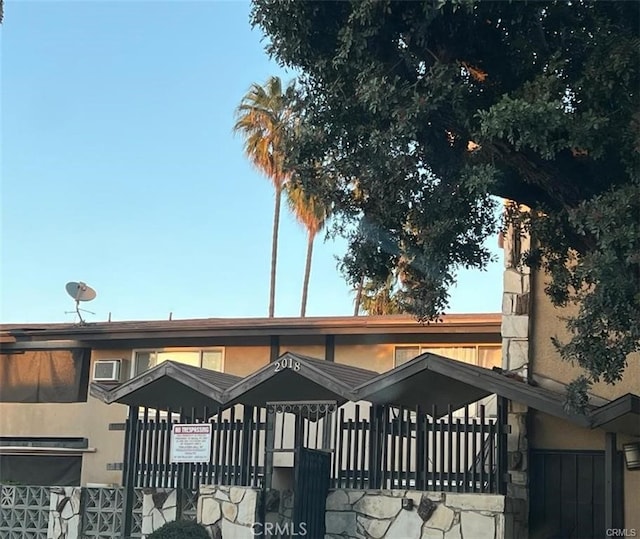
(270, 439)
(501, 435)
(421, 459)
(245, 457)
(129, 470)
(375, 449)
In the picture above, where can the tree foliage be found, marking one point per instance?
(423, 112)
(380, 298)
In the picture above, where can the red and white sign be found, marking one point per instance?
(191, 443)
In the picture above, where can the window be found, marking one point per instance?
(404, 354)
(210, 358)
(44, 376)
(487, 356)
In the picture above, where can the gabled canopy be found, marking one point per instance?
(425, 381)
(430, 380)
(170, 385)
(294, 377)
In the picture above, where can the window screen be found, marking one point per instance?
(44, 376)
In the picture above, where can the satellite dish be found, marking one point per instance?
(80, 292)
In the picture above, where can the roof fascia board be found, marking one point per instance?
(105, 334)
(25, 346)
(628, 403)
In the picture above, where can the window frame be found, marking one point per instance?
(422, 346)
(200, 350)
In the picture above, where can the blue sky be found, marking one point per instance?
(120, 169)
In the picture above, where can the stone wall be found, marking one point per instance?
(395, 514)
(159, 506)
(516, 306)
(229, 512)
(64, 513)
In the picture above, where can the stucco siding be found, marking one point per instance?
(374, 357)
(244, 360)
(546, 323)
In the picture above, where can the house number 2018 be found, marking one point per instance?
(287, 363)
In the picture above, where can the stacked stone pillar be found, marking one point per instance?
(516, 300)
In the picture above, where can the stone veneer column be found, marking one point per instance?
(64, 513)
(159, 506)
(516, 301)
(229, 512)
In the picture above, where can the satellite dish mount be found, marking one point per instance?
(80, 292)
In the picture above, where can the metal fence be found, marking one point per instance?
(372, 447)
(236, 455)
(402, 448)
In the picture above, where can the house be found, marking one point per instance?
(53, 432)
(428, 430)
(570, 474)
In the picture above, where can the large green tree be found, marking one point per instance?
(437, 108)
(264, 118)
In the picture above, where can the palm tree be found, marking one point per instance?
(312, 213)
(263, 118)
(358, 301)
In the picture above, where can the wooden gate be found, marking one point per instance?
(568, 494)
(312, 470)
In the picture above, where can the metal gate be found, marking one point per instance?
(312, 470)
(568, 494)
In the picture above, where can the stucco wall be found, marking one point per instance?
(244, 360)
(546, 323)
(374, 357)
(552, 433)
(83, 420)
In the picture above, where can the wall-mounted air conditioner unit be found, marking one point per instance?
(107, 370)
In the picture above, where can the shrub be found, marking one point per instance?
(180, 529)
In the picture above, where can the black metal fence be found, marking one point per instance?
(402, 448)
(372, 447)
(236, 453)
